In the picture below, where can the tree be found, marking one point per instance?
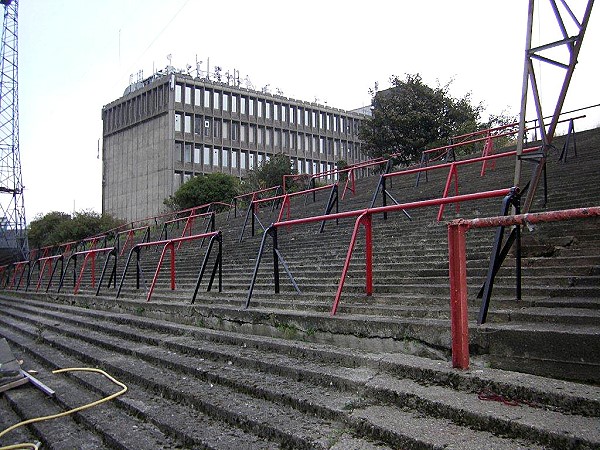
(203, 189)
(43, 230)
(410, 117)
(270, 173)
(58, 227)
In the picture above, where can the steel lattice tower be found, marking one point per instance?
(13, 226)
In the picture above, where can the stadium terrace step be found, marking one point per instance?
(263, 388)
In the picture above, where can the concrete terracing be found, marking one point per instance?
(376, 375)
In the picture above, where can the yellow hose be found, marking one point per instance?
(66, 413)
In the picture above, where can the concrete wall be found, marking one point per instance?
(138, 169)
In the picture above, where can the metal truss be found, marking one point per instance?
(13, 226)
(564, 16)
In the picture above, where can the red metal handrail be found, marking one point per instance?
(364, 218)
(130, 236)
(457, 230)
(452, 173)
(44, 262)
(168, 244)
(90, 255)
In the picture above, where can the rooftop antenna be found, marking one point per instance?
(169, 56)
(198, 69)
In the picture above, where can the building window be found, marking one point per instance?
(178, 150)
(251, 161)
(224, 158)
(206, 156)
(225, 102)
(276, 138)
(275, 112)
(207, 98)
(268, 137)
(283, 113)
(322, 120)
(196, 96)
(188, 124)
(177, 122)
(216, 100)
(215, 157)
(233, 103)
(299, 165)
(259, 108)
(178, 93)
(342, 128)
(306, 117)
(299, 142)
(207, 128)
(196, 155)
(251, 133)
(314, 119)
(260, 159)
(176, 180)
(233, 159)
(187, 153)
(259, 137)
(235, 130)
(188, 95)
(321, 145)
(187, 177)
(291, 114)
(243, 157)
(197, 125)
(251, 107)
(242, 105)
(217, 128)
(225, 130)
(306, 143)
(243, 133)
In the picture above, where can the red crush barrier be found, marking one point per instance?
(457, 230)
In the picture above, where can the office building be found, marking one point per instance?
(172, 126)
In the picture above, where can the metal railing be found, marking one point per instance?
(254, 195)
(90, 256)
(169, 245)
(47, 264)
(363, 218)
(252, 216)
(452, 177)
(457, 230)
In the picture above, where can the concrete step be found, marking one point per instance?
(360, 391)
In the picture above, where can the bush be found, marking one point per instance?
(58, 227)
(203, 189)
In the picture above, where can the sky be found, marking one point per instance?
(76, 56)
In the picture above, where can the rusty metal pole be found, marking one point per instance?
(459, 317)
(524, 90)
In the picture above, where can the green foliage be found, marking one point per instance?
(341, 165)
(203, 189)
(411, 117)
(58, 227)
(270, 173)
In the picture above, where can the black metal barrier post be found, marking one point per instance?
(566, 145)
(113, 272)
(217, 265)
(499, 253)
(333, 200)
(277, 258)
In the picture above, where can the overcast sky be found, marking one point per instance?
(76, 56)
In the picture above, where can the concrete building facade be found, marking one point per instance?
(173, 126)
